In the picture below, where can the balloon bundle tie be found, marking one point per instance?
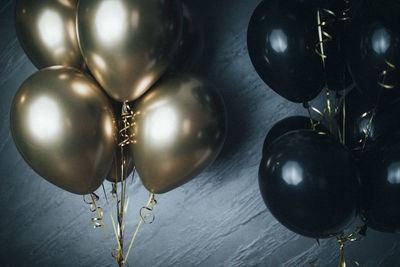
(353, 237)
(383, 75)
(312, 263)
(323, 38)
(128, 118)
(145, 212)
(97, 221)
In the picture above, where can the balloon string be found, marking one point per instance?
(112, 218)
(323, 38)
(342, 135)
(344, 118)
(147, 209)
(311, 118)
(342, 240)
(309, 108)
(97, 221)
(312, 263)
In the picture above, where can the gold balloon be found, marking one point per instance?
(180, 129)
(128, 44)
(46, 30)
(64, 127)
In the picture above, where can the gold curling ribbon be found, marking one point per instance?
(148, 208)
(323, 38)
(97, 221)
(345, 12)
(382, 83)
(309, 109)
(128, 118)
(312, 263)
(382, 76)
(342, 240)
(112, 219)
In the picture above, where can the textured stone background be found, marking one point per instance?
(218, 219)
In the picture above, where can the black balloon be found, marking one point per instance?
(358, 113)
(290, 124)
(380, 178)
(304, 188)
(362, 116)
(372, 44)
(282, 38)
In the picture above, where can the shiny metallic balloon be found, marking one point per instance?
(191, 44)
(128, 44)
(64, 127)
(180, 129)
(46, 30)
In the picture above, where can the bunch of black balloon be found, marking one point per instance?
(373, 53)
(316, 181)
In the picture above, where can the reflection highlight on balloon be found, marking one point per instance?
(162, 125)
(44, 119)
(111, 22)
(50, 28)
(380, 41)
(292, 173)
(278, 40)
(394, 173)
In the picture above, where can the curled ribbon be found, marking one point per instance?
(371, 113)
(323, 38)
(128, 118)
(345, 12)
(310, 108)
(148, 208)
(148, 211)
(353, 237)
(312, 263)
(383, 75)
(97, 221)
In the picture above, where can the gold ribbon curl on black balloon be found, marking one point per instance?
(323, 38)
(381, 81)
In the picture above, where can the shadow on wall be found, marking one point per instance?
(222, 50)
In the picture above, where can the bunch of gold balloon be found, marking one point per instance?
(71, 120)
